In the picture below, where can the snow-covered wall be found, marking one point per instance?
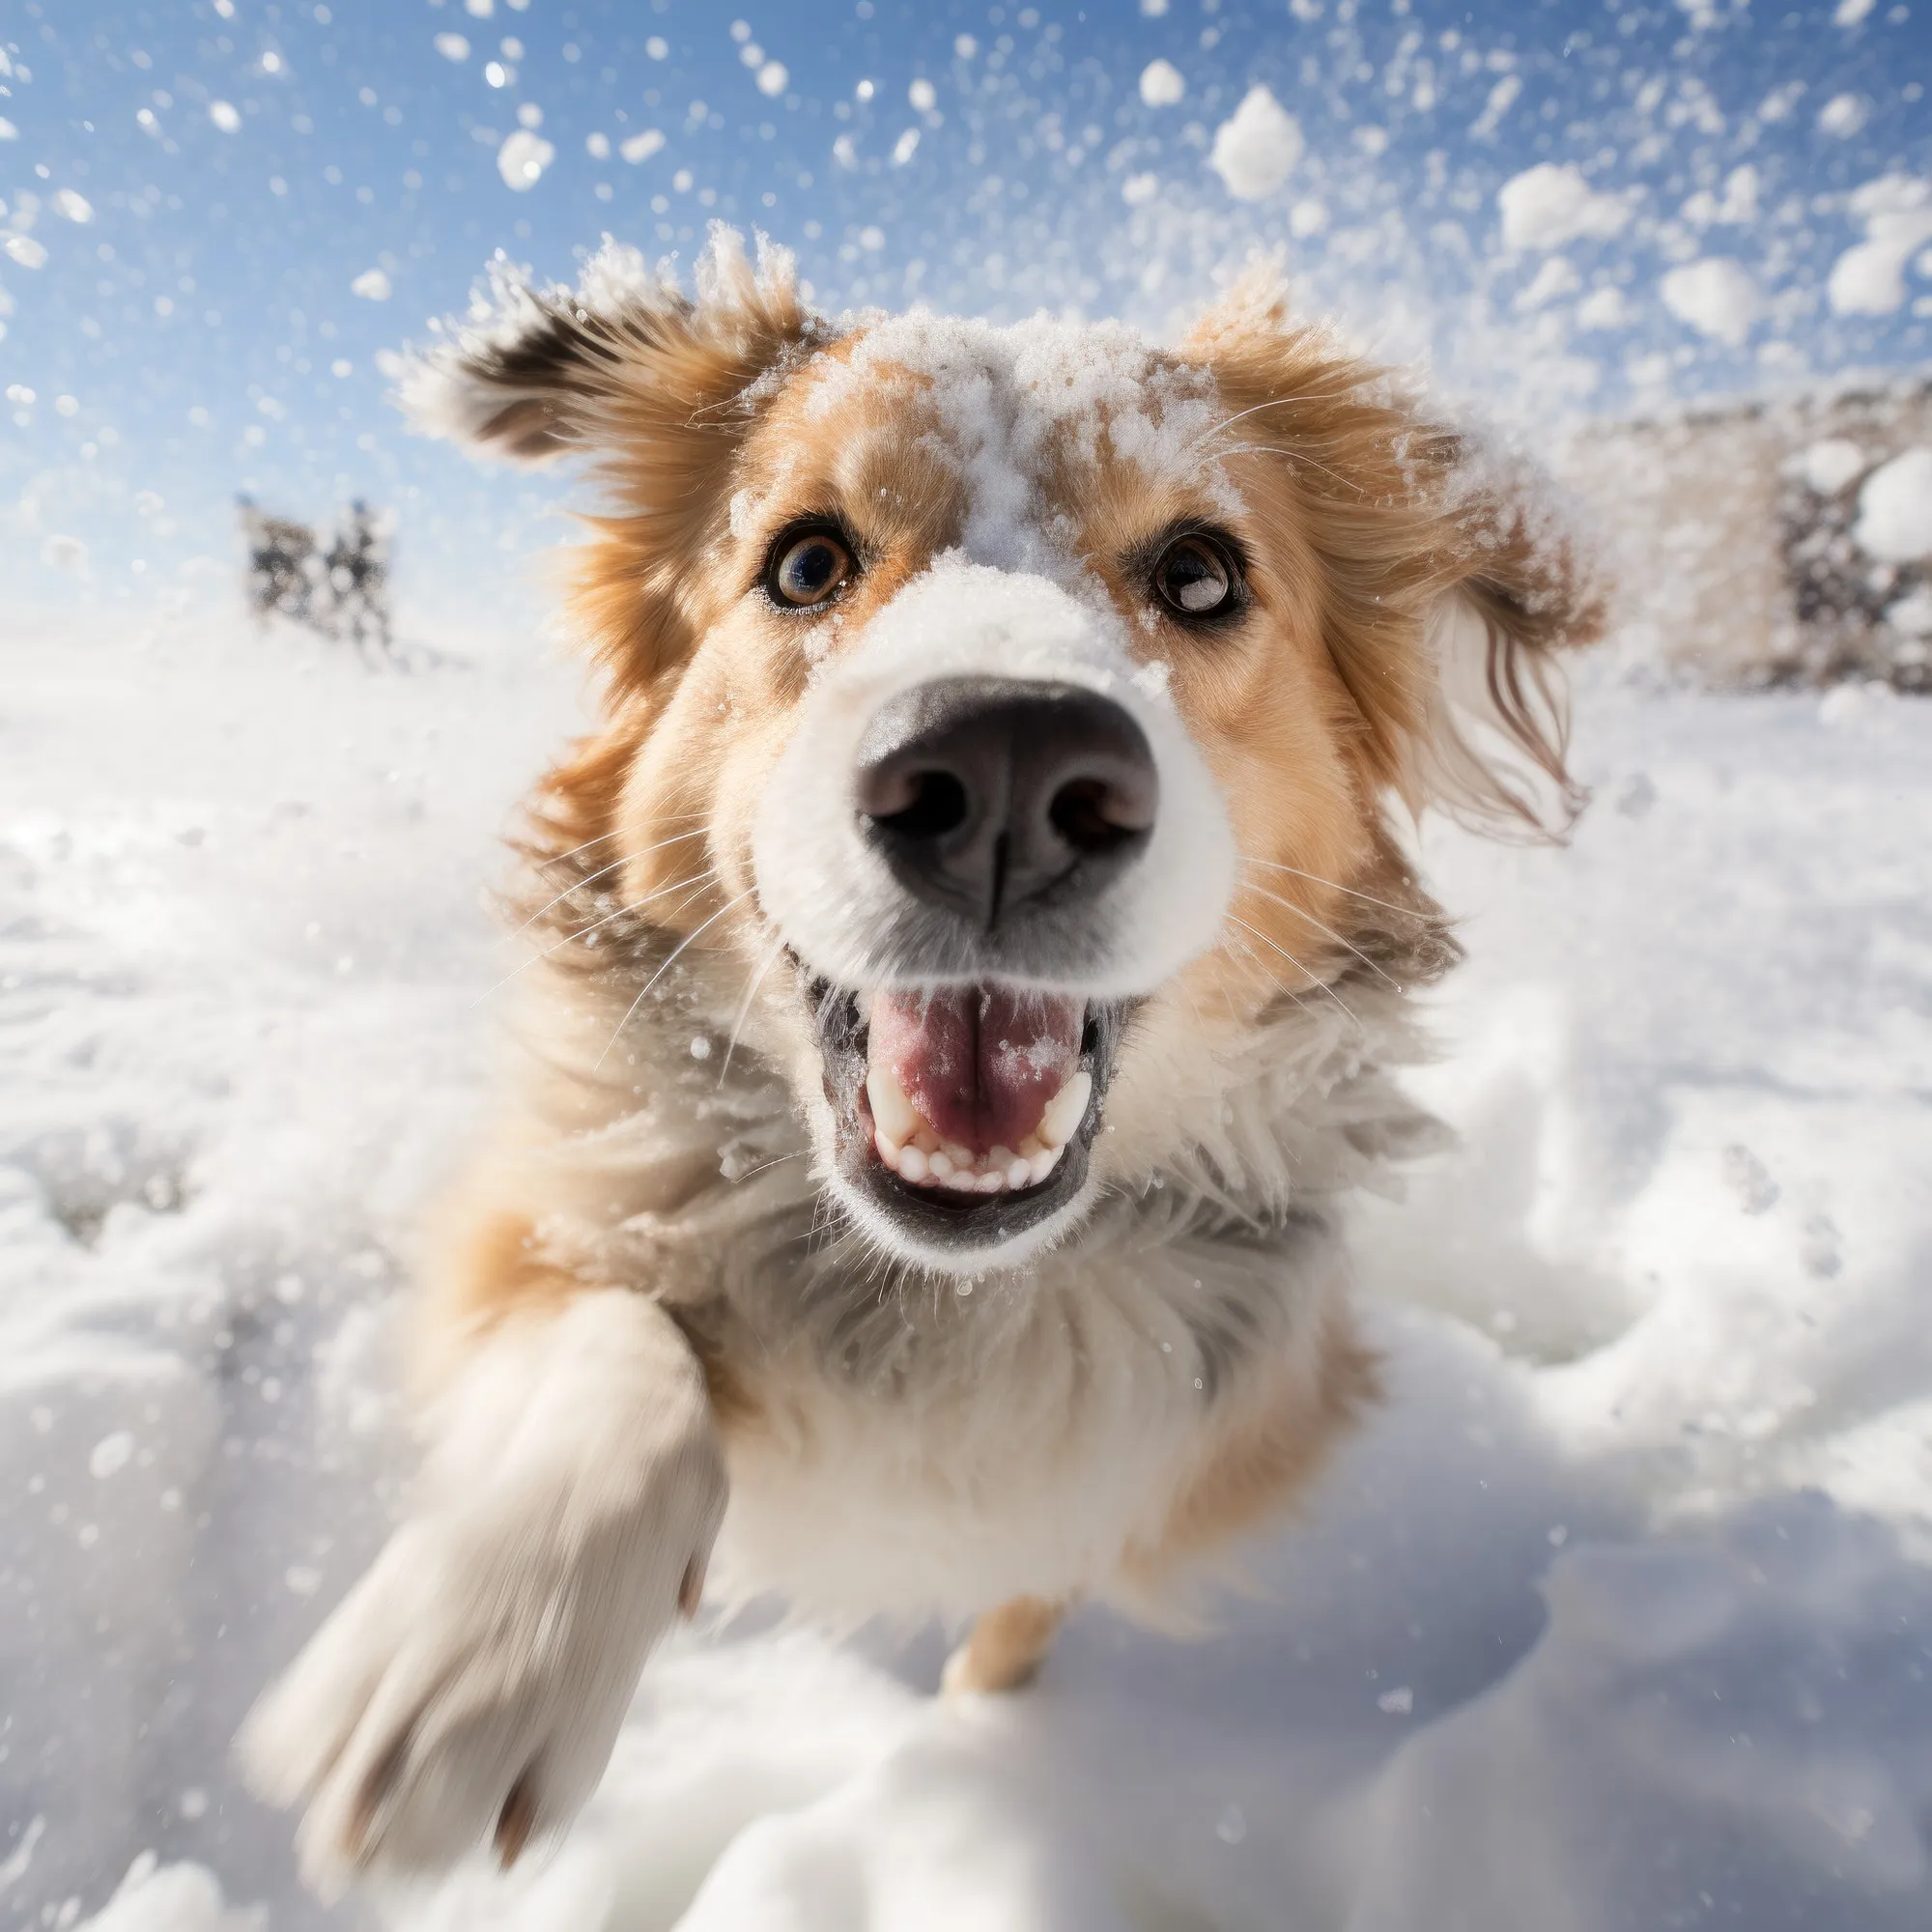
(1779, 540)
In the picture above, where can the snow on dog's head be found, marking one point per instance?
(1038, 695)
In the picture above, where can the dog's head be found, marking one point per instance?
(1036, 696)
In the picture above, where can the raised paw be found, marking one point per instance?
(470, 1687)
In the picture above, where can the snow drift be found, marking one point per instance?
(1616, 1614)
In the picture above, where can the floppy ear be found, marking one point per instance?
(1443, 578)
(658, 388)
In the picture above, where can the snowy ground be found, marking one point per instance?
(1618, 1615)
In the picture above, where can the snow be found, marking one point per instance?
(523, 158)
(1870, 277)
(1633, 1554)
(1832, 464)
(171, 1898)
(1161, 84)
(1715, 295)
(1912, 614)
(1255, 149)
(1617, 1614)
(1843, 116)
(1895, 509)
(1546, 205)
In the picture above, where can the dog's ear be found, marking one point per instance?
(621, 357)
(1435, 565)
(657, 388)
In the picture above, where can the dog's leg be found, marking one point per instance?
(1004, 1647)
(471, 1685)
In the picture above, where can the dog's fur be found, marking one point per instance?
(668, 1277)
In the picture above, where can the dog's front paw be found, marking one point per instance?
(471, 1685)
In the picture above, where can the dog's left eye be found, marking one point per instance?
(806, 568)
(1193, 579)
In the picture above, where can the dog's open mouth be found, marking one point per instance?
(966, 1114)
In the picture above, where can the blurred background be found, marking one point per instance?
(221, 221)
(1619, 1614)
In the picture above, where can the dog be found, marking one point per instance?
(974, 955)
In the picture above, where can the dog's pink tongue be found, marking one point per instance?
(981, 1063)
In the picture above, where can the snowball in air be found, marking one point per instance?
(1895, 509)
(521, 160)
(1716, 297)
(1161, 84)
(1257, 150)
(1546, 205)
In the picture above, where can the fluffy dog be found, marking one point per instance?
(972, 952)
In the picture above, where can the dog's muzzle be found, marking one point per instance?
(990, 837)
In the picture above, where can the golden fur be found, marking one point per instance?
(1251, 1087)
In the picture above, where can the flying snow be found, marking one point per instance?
(1715, 295)
(1255, 151)
(524, 157)
(1161, 84)
(1546, 205)
(1895, 509)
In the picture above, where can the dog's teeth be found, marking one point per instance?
(910, 1146)
(893, 1113)
(1064, 1112)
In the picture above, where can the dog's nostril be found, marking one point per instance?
(1093, 816)
(918, 804)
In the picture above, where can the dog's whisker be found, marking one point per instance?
(561, 858)
(1333, 885)
(745, 1004)
(737, 899)
(1272, 978)
(777, 1160)
(578, 885)
(617, 831)
(1314, 979)
(1300, 913)
(636, 905)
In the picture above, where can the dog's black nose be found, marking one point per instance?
(986, 793)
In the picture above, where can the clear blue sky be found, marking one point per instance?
(241, 169)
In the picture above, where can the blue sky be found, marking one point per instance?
(196, 193)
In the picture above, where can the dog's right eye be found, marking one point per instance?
(806, 567)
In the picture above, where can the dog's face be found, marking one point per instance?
(1035, 696)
